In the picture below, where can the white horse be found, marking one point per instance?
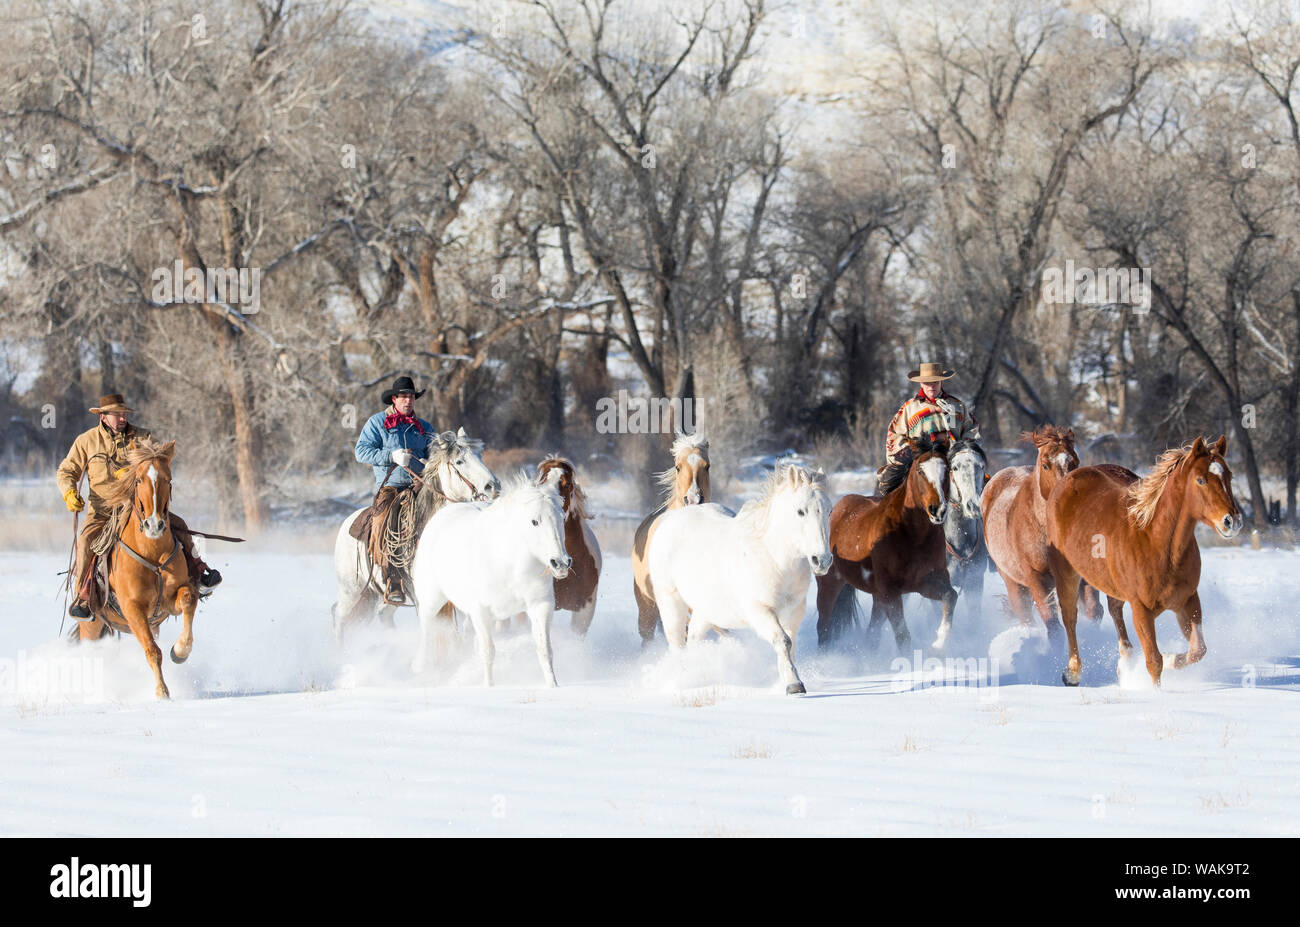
(493, 561)
(712, 569)
(456, 470)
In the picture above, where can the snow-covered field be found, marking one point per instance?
(273, 729)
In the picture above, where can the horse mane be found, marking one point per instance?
(894, 474)
(121, 492)
(667, 479)
(968, 444)
(443, 449)
(1144, 495)
(1049, 434)
(522, 488)
(785, 476)
(578, 501)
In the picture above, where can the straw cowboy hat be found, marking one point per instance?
(930, 373)
(402, 385)
(113, 402)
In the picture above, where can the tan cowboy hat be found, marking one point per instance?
(930, 373)
(113, 402)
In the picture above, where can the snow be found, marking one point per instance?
(273, 729)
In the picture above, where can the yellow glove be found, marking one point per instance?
(74, 501)
(120, 472)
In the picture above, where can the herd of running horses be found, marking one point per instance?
(1058, 533)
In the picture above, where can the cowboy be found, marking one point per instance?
(395, 443)
(100, 454)
(932, 412)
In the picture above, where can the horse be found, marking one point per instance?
(892, 544)
(1134, 539)
(148, 578)
(714, 569)
(686, 482)
(492, 561)
(1014, 505)
(455, 472)
(963, 526)
(575, 593)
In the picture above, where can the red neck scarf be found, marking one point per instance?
(393, 419)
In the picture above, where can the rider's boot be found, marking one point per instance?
(79, 610)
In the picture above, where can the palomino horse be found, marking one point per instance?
(892, 544)
(577, 591)
(455, 472)
(685, 483)
(963, 528)
(492, 562)
(712, 569)
(1135, 541)
(1015, 525)
(147, 572)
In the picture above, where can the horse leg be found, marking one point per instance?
(647, 613)
(539, 616)
(676, 619)
(483, 642)
(893, 608)
(1091, 602)
(1039, 588)
(139, 625)
(1116, 608)
(1066, 577)
(185, 604)
(429, 610)
(873, 625)
(1189, 622)
(386, 613)
(828, 590)
(764, 621)
(581, 621)
(1144, 622)
(936, 586)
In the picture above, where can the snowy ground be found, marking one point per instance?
(274, 730)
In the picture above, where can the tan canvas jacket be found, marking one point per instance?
(98, 453)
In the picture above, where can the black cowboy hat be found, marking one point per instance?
(402, 385)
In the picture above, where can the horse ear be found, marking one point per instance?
(168, 451)
(1069, 434)
(552, 478)
(1198, 446)
(460, 432)
(1221, 446)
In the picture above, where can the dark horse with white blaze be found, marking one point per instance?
(892, 544)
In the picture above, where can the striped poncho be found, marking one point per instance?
(918, 417)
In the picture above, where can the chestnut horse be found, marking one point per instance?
(577, 591)
(686, 482)
(147, 574)
(1015, 526)
(1135, 541)
(892, 544)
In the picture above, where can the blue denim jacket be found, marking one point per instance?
(377, 443)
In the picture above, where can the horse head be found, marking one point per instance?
(535, 510)
(967, 469)
(798, 513)
(927, 478)
(1209, 487)
(457, 460)
(1056, 456)
(688, 480)
(147, 491)
(575, 500)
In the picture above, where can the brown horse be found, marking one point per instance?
(1135, 541)
(577, 591)
(892, 544)
(147, 573)
(1014, 505)
(685, 483)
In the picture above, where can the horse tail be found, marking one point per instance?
(845, 614)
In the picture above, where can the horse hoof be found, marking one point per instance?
(1065, 678)
(795, 688)
(177, 658)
